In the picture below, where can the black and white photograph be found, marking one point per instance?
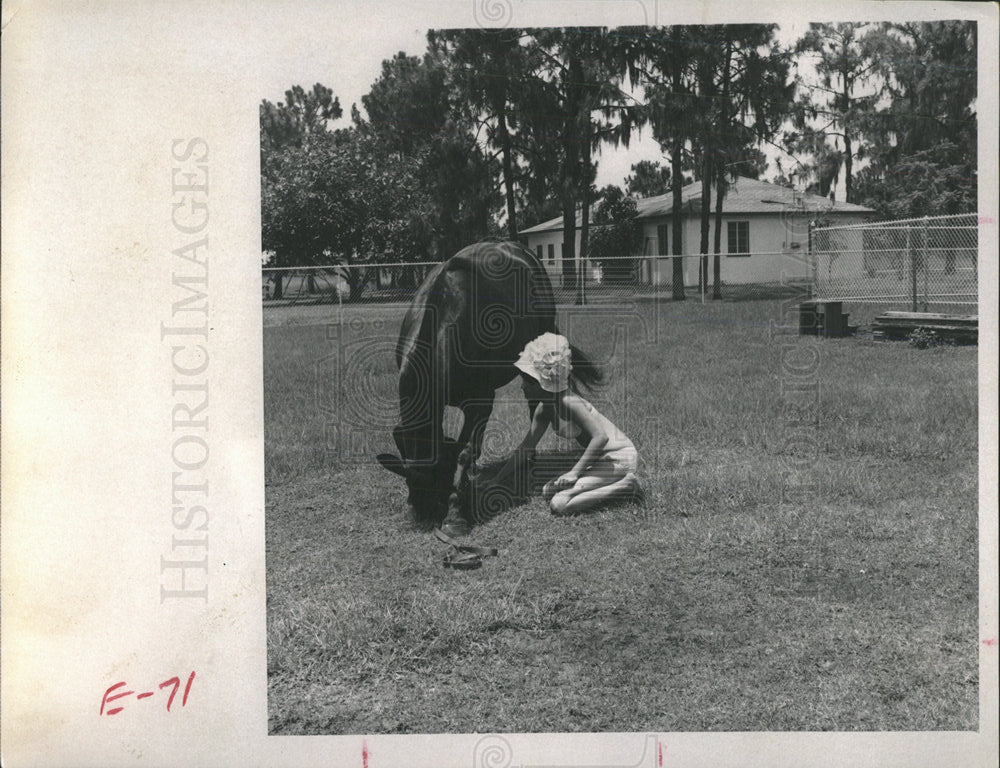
(625, 379)
(499, 383)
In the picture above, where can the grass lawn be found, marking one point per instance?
(806, 558)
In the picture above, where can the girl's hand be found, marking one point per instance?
(567, 480)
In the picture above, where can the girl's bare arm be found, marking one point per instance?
(539, 423)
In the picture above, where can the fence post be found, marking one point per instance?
(702, 275)
(812, 259)
(925, 265)
(913, 268)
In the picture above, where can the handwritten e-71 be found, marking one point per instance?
(114, 693)
(184, 570)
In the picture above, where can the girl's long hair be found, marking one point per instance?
(585, 371)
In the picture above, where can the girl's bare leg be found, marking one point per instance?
(593, 491)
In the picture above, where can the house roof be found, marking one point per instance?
(743, 196)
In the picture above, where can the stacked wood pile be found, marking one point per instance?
(953, 329)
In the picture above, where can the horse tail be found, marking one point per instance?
(585, 370)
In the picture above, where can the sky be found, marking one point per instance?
(347, 58)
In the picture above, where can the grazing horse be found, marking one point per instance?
(467, 324)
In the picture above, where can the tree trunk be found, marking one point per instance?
(581, 277)
(706, 210)
(508, 173)
(720, 169)
(571, 169)
(848, 165)
(569, 243)
(279, 286)
(848, 149)
(720, 182)
(676, 247)
(356, 279)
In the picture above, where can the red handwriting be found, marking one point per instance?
(990, 643)
(173, 681)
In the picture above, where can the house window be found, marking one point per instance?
(538, 252)
(662, 240)
(552, 252)
(739, 238)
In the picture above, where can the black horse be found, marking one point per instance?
(465, 328)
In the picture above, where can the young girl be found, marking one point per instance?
(606, 470)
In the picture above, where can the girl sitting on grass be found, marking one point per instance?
(606, 470)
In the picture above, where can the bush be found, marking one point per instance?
(616, 236)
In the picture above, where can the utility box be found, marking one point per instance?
(823, 318)
(808, 319)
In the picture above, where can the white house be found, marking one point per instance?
(765, 232)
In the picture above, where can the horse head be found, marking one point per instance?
(429, 476)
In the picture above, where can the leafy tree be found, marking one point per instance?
(541, 142)
(488, 70)
(407, 105)
(929, 74)
(665, 69)
(342, 201)
(459, 179)
(831, 115)
(929, 182)
(648, 179)
(296, 123)
(755, 96)
(923, 154)
(616, 234)
(556, 113)
(302, 115)
(581, 99)
(413, 116)
(716, 94)
(538, 189)
(712, 56)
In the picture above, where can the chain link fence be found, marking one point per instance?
(912, 262)
(621, 280)
(347, 283)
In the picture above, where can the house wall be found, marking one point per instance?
(555, 239)
(778, 245)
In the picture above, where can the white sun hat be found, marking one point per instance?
(547, 360)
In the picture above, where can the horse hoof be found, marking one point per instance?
(456, 526)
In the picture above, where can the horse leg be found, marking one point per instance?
(476, 415)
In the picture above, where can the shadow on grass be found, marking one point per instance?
(503, 485)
